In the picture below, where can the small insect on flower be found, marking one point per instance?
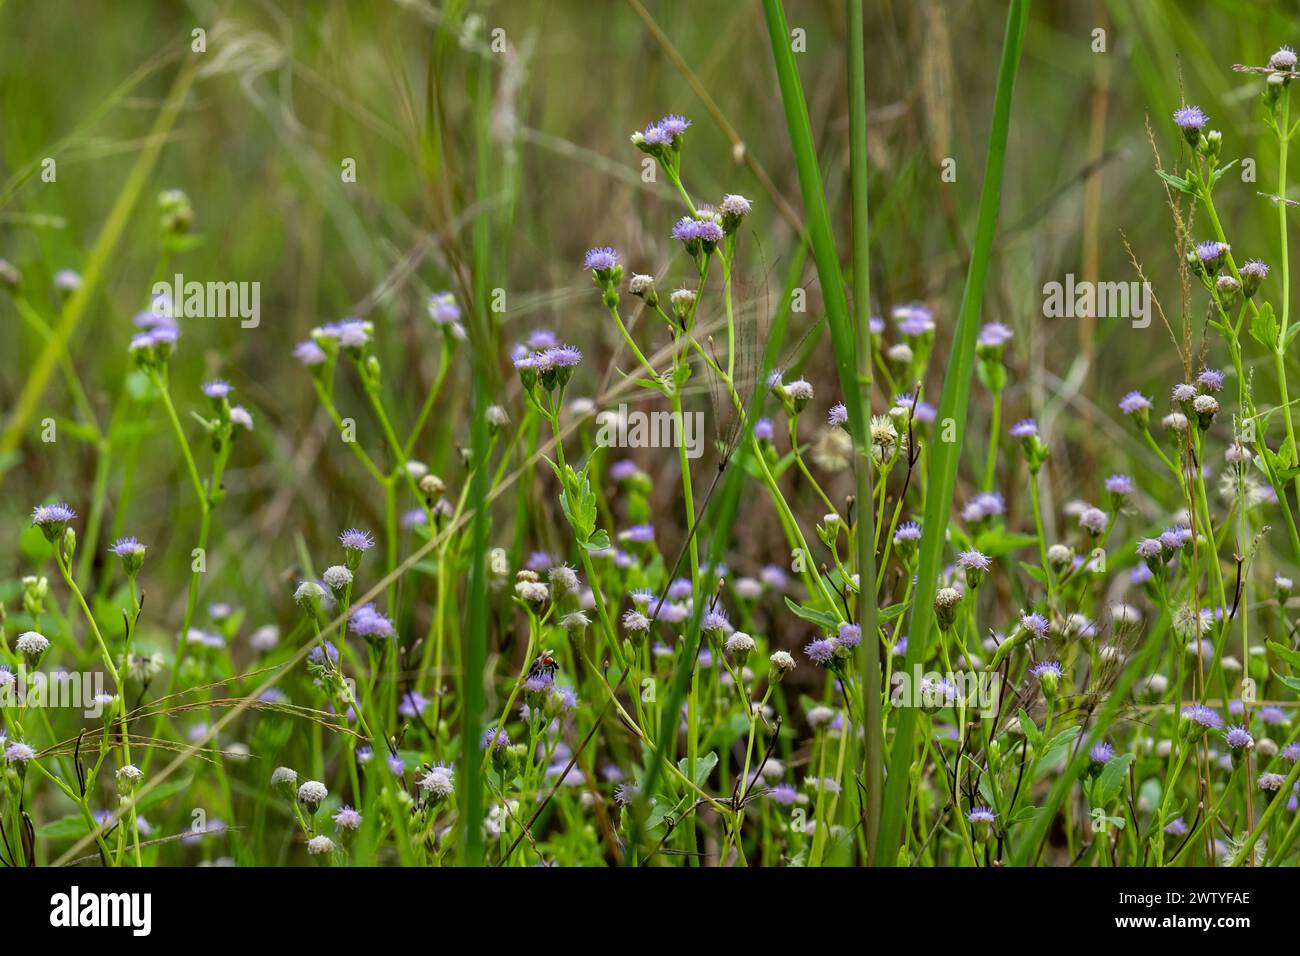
(782, 663)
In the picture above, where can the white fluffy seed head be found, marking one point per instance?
(320, 845)
(337, 577)
(31, 644)
(284, 777)
(739, 643)
(313, 791)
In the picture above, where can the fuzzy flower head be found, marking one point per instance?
(1048, 674)
(1238, 738)
(976, 565)
(838, 415)
(52, 520)
(601, 260)
(1191, 120)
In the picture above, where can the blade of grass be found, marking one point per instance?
(869, 649)
(470, 816)
(848, 356)
(953, 406)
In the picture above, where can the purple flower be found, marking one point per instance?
(838, 415)
(1050, 669)
(495, 738)
(1210, 251)
(1202, 715)
(1272, 715)
(850, 635)
(1134, 402)
(365, 621)
(355, 540)
(1176, 828)
(656, 135)
(980, 816)
(309, 353)
(1027, 428)
(674, 125)
(413, 704)
(821, 651)
(973, 559)
(1237, 737)
(1121, 485)
(1094, 520)
(600, 259)
(907, 531)
(217, 389)
(1210, 379)
(994, 335)
(715, 619)
(1101, 752)
(784, 794)
(44, 515)
(1035, 624)
(1254, 270)
(638, 534)
(127, 547)
(763, 430)
(564, 356)
(1175, 538)
(542, 339)
(1190, 118)
(1149, 548)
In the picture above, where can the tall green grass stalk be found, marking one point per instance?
(954, 406)
(848, 361)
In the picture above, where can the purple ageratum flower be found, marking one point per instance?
(850, 635)
(914, 320)
(600, 259)
(1291, 752)
(623, 469)
(980, 816)
(821, 651)
(973, 559)
(366, 622)
(1046, 669)
(443, 308)
(309, 353)
(413, 704)
(1272, 715)
(763, 429)
(1210, 251)
(1254, 269)
(1120, 485)
(542, 339)
(784, 794)
(1271, 781)
(1101, 753)
(638, 534)
(317, 656)
(838, 415)
(563, 356)
(656, 135)
(1026, 428)
(994, 335)
(1238, 737)
(1176, 828)
(1210, 379)
(674, 125)
(356, 540)
(127, 547)
(1134, 402)
(1175, 538)
(52, 519)
(1190, 118)
(907, 531)
(1035, 624)
(1093, 519)
(1149, 548)
(876, 325)
(715, 619)
(1140, 575)
(1205, 716)
(218, 388)
(495, 738)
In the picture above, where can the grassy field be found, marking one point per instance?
(648, 433)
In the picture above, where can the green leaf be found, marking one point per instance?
(1263, 327)
(1111, 779)
(1032, 733)
(1177, 182)
(892, 611)
(65, 828)
(703, 767)
(996, 542)
(1292, 682)
(1288, 655)
(1035, 572)
(598, 541)
(827, 622)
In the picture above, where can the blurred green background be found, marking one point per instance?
(286, 92)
